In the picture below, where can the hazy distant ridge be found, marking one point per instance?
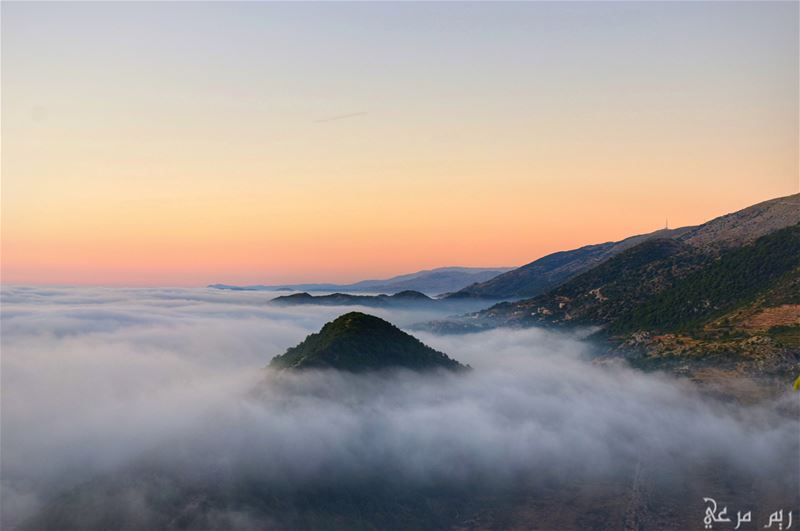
(431, 281)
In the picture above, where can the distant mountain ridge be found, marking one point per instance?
(402, 298)
(430, 281)
(731, 230)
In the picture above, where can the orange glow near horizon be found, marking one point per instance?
(178, 162)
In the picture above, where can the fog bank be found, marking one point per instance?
(96, 381)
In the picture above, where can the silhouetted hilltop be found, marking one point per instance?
(359, 342)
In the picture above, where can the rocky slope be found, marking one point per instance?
(746, 225)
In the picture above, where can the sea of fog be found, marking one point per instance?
(94, 379)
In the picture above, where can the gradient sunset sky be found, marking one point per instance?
(189, 143)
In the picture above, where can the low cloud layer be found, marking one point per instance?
(95, 381)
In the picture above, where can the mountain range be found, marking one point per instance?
(728, 288)
(432, 281)
(663, 285)
(721, 233)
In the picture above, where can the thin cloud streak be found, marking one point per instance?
(341, 117)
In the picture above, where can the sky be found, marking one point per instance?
(189, 143)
